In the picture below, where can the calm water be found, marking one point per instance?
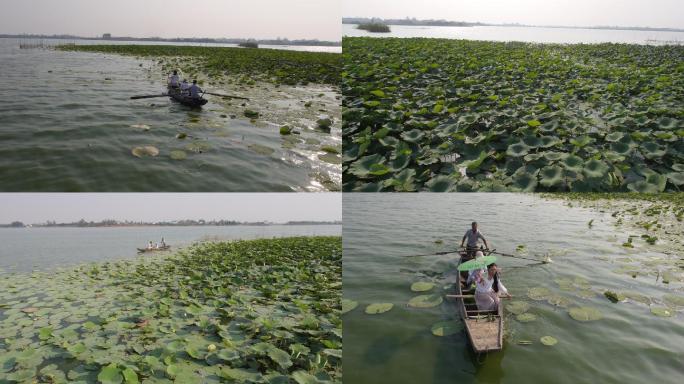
(28, 249)
(67, 124)
(629, 345)
(534, 35)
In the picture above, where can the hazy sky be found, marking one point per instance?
(68, 207)
(294, 19)
(651, 13)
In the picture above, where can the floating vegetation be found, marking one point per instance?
(614, 296)
(548, 340)
(147, 150)
(178, 155)
(425, 301)
(559, 301)
(585, 314)
(349, 305)
(422, 286)
(538, 293)
(518, 307)
(330, 158)
(458, 115)
(662, 311)
(245, 311)
(251, 114)
(283, 66)
(638, 297)
(376, 308)
(261, 149)
(447, 328)
(285, 130)
(673, 300)
(524, 342)
(144, 127)
(526, 317)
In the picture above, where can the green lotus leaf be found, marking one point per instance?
(525, 182)
(302, 377)
(665, 136)
(280, 357)
(241, 375)
(518, 307)
(585, 314)
(572, 163)
(533, 123)
(549, 141)
(363, 166)
(538, 293)
(621, 148)
(678, 167)
(447, 328)
(595, 168)
(662, 311)
(676, 178)
(517, 150)
(413, 136)
(425, 301)
(349, 305)
(533, 156)
(110, 375)
(526, 317)
(178, 155)
(422, 286)
(581, 141)
(330, 158)
(440, 183)
(667, 123)
(614, 136)
(554, 156)
(378, 93)
(130, 376)
(532, 141)
(228, 354)
(652, 150)
(376, 308)
(559, 301)
(551, 176)
(548, 340)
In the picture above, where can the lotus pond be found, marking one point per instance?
(598, 312)
(261, 311)
(457, 115)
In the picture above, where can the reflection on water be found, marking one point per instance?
(629, 344)
(527, 34)
(27, 249)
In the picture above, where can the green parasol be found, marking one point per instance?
(479, 263)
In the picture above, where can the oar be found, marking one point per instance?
(431, 254)
(545, 261)
(228, 96)
(148, 96)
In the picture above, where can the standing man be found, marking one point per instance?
(173, 80)
(473, 235)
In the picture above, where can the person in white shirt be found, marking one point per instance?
(149, 245)
(195, 90)
(473, 236)
(474, 272)
(174, 80)
(488, 289)
(163, 244)
(184, 87)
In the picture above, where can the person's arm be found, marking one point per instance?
(502, 290)
(483, 239)
(463, 239)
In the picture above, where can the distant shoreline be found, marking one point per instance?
(447, 23)
(299, 42)
(138, 225)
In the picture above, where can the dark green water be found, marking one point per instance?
(628, 345)
(68, 125)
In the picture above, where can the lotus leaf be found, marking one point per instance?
(421, 286)
(447, 328)
(425, 301)
(595, 168)
(147, 150)
(585, 314)
(376, 308)
(662, 311)
(518, 307)
(538, 293)
(548, 340)
(526, 317)
(674, 300)
(348, 305)
(110, 375)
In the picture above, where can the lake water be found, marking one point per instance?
(628, 345)
(68, 124)
(28, 249)
(527, 34)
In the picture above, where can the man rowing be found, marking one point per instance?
(185, 87)
(174, 80)
(473, 235)
(195, 90)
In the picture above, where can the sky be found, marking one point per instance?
(260, 19)
(639, 13)
(32, 208)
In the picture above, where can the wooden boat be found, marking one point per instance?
(175, 94)
(143, 250)
(484, 328)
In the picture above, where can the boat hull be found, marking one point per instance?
(186, 100)
(144, 250)
(484, 329)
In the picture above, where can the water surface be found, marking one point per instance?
(28, 249)
(629, 345)
(526, 34)
(68, 124)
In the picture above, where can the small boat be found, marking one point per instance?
(143, 250)
(184, 99)
(484, 328)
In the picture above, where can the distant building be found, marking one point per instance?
(107, 36)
